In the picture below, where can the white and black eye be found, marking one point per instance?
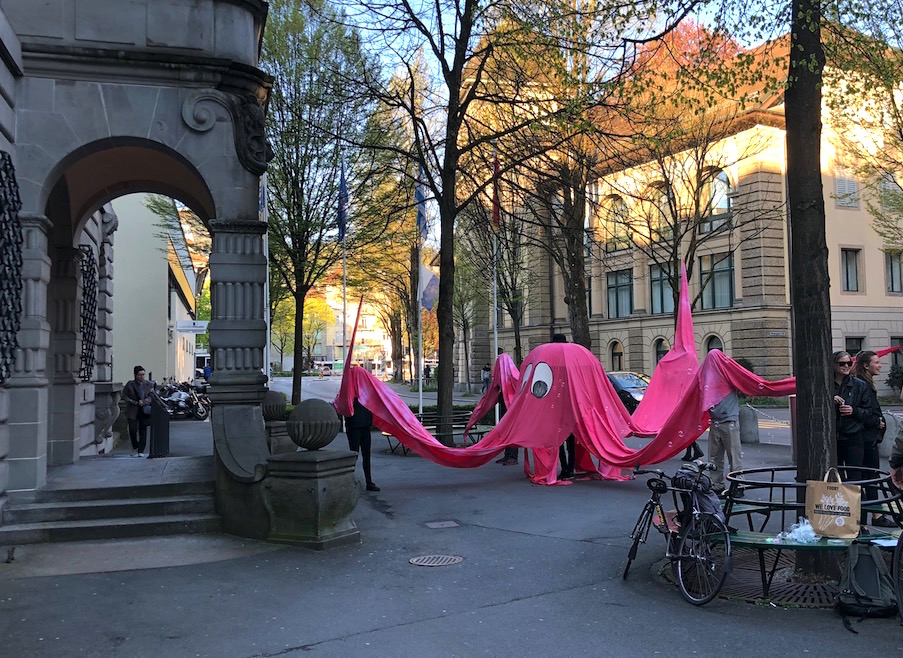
(542, 380)
(526, 378)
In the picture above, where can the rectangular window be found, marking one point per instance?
(892, 272)
(716, 277)
(849, 269)
(897, 357)
(853, 345)
(660, 285)
(888, 192)
(620, 293)
(846, 189)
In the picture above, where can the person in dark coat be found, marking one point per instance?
(567, 454)
(850, 400)
(137, 396)
(357, 429)
(867, 366)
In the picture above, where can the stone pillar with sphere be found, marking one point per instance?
(310, 494)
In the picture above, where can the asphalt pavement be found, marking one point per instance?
(540, 574)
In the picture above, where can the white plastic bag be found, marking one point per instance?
(800, 533)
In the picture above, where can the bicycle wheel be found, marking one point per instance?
(897, 572)
(703, 559)
(640, 531)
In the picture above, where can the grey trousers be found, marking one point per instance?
(724, 440)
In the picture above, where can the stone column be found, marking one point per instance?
(65, 392)
(237, 327)
(4, 444)
(103, 365)
(106, 392)
(28, 385)
(237, 386)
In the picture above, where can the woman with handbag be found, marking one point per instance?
(867, 367)
(850, 402)
(137, 395)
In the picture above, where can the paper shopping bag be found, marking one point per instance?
(833, 507)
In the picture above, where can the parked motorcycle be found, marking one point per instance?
(183, 401)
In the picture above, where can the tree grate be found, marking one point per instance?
(435, 560)
(745, 583)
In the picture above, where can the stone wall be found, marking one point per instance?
(10, 70)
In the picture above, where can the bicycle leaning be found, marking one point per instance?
(696, 539)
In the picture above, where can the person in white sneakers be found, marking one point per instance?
(137, 395)
(724, 439)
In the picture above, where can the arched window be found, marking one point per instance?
(617, 357)
(718, 199)
(616, 227)
(661, 226)
(713, 343)
(661, 349)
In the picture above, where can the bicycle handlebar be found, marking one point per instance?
(703, 466)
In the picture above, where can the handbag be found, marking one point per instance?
(146, 410)
(832, 507)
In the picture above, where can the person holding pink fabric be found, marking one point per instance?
(724, 439)
(567, 451)
(510, 456)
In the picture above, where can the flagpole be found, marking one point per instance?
(419, 326)
(343, 227)
(496, 223)
(344, 304)
(495, 305)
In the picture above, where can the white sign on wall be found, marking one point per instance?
(192, 326)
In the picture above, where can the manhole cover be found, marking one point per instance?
(435, 560)
(441, 524)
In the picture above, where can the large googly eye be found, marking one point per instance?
(526, 377)
(542, 380)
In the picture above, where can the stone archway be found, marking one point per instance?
(135, 102)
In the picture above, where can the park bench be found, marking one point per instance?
(772, 496)
(431, 421)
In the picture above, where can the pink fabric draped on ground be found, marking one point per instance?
(672, 374)
(561, 390)
(564, 390)
(502, 385)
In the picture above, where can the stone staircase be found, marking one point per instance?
(112, 512)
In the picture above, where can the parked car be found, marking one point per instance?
(630, 387)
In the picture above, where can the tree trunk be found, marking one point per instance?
(445, 304)
(574, 209)
(300, 295)
(810, 300)
(397, 347)
(444, 309)
(518, 347)
(466, 338)
(413, 312)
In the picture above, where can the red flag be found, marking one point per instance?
(347, 364)
(496, 210)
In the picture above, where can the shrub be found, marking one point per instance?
(746, 363)
(895, 377)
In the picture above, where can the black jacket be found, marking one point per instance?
(361, 418)
(854, 392)
(871, 422)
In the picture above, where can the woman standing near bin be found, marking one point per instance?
(867, 367)
(850, 403)
(137, 395)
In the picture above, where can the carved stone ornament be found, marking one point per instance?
(109, 222)
(248, 123)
